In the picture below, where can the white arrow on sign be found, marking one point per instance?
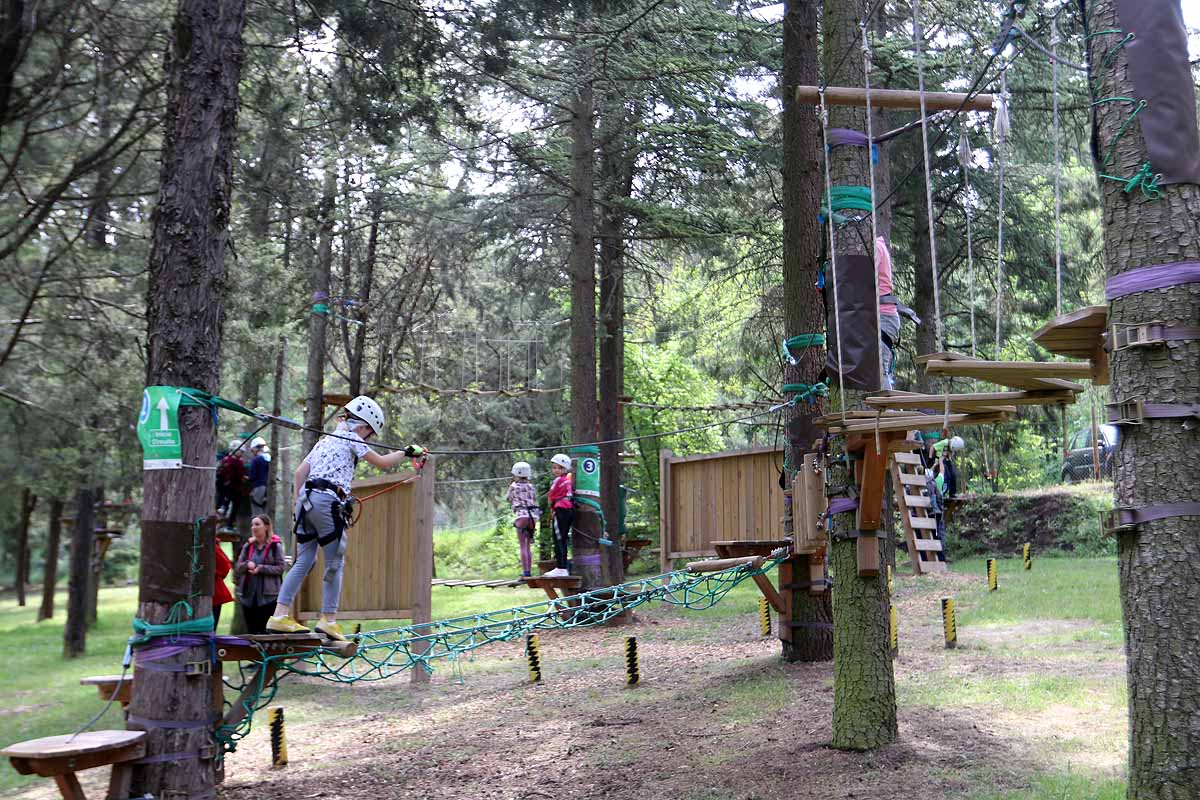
(163, 407)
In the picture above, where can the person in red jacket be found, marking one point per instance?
(561, 499)
(221, 594)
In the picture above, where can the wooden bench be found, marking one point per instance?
(60, 757)
(111, 687)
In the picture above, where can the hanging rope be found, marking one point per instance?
(1000, 129)
(964, 158)
(867, 66)
(1054, 42)
(919, 44)
(823, 113)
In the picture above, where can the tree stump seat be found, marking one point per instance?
(60, 757)
(111, 687)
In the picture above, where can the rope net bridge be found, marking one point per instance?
(381, 654)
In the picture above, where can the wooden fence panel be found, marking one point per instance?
(709, 498)
(389, 554)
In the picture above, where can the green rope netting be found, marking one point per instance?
(385, 653)
(1145, 179)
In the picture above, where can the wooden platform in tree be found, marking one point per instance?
(283, 644)
(60, 757)
(569, 585)
(111, 687)
(1038, 376)
(740, 548)
(1079, 334)
(906, 422)
(968, 403)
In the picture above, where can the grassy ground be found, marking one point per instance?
(1031, 706)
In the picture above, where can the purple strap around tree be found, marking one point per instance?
(167, 646)
(840, 505)
(1143, 279)
(839, 137)
(587, 560)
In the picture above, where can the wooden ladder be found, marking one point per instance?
(913, 502)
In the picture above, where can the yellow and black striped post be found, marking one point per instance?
(533, 653)
(1027, 554)
(948, 625)
(632, 673)
(278, 738)
(993, 583)
(894, 621)
(764, 616)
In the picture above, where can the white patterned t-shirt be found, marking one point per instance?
(333, 458)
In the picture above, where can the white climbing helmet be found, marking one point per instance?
(521, 469)
(957, 443)
(236, 444)
(563, 460)
(368, 411)
(258, 442)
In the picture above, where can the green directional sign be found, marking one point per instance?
(158, 428)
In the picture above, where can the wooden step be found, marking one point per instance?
(929, 545)
(976, 401)
(916, 422)
(1025, 375)
(928, 523)
(909, 458)
(1080, 334)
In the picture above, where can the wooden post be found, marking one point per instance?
(422, 567)
(664, 509)
(894, 98)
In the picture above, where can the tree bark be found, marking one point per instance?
(75, 631)
(318, 323)
(100, 521)
(184, 320)
(276, 437)
(1160, 606)
(583, 262)
(358, 352)
(616, 179)
(803, 311)
(864, 700)
(28, 503)
(50, 570)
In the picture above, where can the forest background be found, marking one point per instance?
(416, 158)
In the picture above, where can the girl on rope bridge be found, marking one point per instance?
(322, 486)
(561, 499)
(526, 513)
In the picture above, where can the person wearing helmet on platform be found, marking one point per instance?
(944, 449)
(561, 499)
(322, 484)
(260, 472)
(526, 513)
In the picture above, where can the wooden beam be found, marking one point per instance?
(719, 564)
(894, 98)
(870, 492)
(974, 400)
(768, 589)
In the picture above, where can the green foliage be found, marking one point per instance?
(487, 553)
(1063, 519)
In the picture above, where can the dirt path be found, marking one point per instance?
(717, 715)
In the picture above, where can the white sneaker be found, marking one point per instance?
(557, 572)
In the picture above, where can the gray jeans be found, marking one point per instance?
(319, 520)
(889, 324)
(258, 500)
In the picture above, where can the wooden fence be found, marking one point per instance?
(710, 498)
(389, 554)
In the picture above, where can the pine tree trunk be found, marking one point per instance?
(28, 503)
(864, 699)
(358, 352)
(184, 320)
(50, 570)
(616, 180)
(1157, 562)
(276, 437)
(318, 323)
(583, 263)
(78, 578)
(811, 615)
